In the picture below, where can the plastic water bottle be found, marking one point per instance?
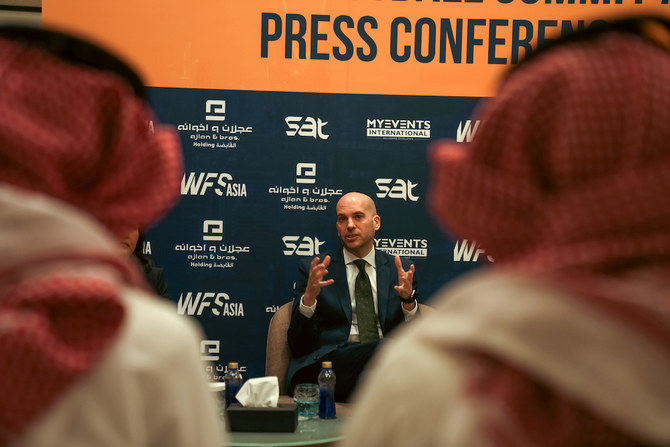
(233, 380)
(327, 391)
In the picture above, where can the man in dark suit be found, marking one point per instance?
(345, 304)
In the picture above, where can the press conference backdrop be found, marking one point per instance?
(285, 106)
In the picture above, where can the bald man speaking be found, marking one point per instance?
(345, 303)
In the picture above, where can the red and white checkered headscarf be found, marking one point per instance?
(79, 135)
(571, 162)
(568, 176)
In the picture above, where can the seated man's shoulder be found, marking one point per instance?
(306, 260)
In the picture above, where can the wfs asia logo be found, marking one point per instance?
(465, 251)
(301, 245)
(218, 303)
(466, 131)
(198, 183)
(396, 189)
(306, 127)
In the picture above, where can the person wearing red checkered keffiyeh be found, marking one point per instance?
(565, 341)
(88, 356)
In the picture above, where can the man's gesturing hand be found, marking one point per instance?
(317, 270)
(405, 279)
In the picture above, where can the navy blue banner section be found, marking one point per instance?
(263, 174)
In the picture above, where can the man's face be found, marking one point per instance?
(357, 223)
(129, 242)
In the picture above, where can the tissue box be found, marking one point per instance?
(282, 418)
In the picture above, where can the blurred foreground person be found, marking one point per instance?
(566, 341)
(88, 355)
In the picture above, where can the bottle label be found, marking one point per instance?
(327, 403)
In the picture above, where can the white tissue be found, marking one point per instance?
(259, 392)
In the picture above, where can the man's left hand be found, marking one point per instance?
(405, 280)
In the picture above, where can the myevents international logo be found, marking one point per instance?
(396, 189)
(197, 184)
(218, 303)
(215, 110)
(398, 129)
(466, 132)
(302, 245)
(416, 248)
(465, 251)
(306, 127)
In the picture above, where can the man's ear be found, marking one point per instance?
(377, 221)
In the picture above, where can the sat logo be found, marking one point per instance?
(398, 189)
(306, 127)
(305, 246)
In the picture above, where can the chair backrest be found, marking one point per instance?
(277, 352)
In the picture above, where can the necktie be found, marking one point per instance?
(365, 306)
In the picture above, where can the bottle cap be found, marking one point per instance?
(326, 364)
(233, 365)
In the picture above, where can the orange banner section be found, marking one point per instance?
(396, 47)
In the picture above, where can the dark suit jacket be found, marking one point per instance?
(312, 338)
(156, 279)
(154, 275)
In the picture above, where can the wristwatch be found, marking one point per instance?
(411, 298)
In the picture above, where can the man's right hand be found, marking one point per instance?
(317, 270)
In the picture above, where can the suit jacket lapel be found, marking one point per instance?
(338, 271)
(383, 286)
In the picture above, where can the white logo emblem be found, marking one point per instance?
(217, 109)
(466, 132)
(212, 230)
(400, 189)
(306, 127)
(209, 350)
(469, 252)
(305, 173)
(305, 246)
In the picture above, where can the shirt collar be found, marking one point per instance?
(369, 258)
